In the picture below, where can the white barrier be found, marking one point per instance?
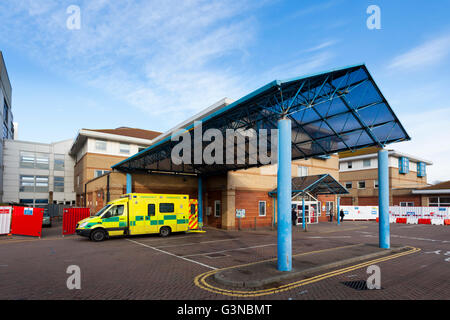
(5, 220)
(412, 214)
(360, 212)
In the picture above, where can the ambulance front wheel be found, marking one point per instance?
(98, 235)
(164, 231)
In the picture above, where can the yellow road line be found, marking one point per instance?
(200, 280)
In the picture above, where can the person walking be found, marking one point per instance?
(294, 216)
(331, 214)
(342, 215)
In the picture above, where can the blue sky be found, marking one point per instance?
(150, 64)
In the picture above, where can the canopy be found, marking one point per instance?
(333, 111)
(315, 185)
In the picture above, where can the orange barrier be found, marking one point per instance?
(424, 221)
(447, 222)
(401, 220)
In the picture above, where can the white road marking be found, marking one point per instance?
(237, 249)
(171, 254)
(194, 243)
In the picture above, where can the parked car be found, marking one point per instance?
(46, 221)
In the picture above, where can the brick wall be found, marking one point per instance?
(249, 200)
(416, 199)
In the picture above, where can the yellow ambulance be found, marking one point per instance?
(139, 213)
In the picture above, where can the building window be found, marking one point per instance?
(58, 162)
(348, 185)
(41, 201)
(78, 181)
(41, 184)
(100, 145)
(302, 171)
(166, 208)
(58, 184)
(361, 184)
(26, 201)
(5, 131)
(42, 160)
(403, 165)
(124, 148)
(99, 173)
(262, 208)
(439, 202)
(26, 183)
(26, 159)
(406, 204)
(349, 165)
(375, 184)
(366, 163)
(217, 208)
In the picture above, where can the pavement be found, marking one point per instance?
(181, 266)
(304, 265)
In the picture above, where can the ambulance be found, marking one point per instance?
(141, 213)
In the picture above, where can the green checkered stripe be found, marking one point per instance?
(168, 219)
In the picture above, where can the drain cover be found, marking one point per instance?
(357, 285)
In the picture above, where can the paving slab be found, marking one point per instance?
(303, 265)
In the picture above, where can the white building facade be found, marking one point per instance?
(6, 116)
(37, 174)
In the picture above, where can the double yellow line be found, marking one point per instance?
(200, 280)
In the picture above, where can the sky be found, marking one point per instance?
(151, 64)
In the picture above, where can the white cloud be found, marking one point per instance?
(160, 56)
(427, 54)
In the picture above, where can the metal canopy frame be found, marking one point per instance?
(315, 185)
(334, 111)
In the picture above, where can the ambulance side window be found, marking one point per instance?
(151, 209)
(117, 210)
(166, 207)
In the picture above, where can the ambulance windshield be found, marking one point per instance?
(102, 210)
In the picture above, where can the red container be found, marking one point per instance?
(447, 222)
(424, 221)
(400, 220)
(71, 216)
(27, 221)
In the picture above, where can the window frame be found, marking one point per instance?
(166, 203)
(99, 142)
(358, 185)
(217, 202)
(259, 208)
(351, 185)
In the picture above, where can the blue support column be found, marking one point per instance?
(284, 194)
(129, 181)
(339, 210)
(383, 199)
(303, 214)
(200, 203)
